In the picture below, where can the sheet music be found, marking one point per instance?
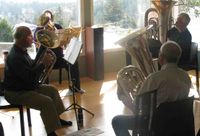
(72, 51)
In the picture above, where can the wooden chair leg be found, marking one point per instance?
(21, 113)
(60, 75)
(197, 80)
(29, 117)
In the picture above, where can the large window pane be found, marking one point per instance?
(119, 17)
(14, 12)
(27, 12)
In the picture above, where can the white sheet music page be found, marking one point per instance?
(72, 51)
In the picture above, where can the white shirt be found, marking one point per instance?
(171, 83)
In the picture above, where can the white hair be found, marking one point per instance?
(171, 51)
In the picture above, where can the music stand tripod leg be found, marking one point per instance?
(74, 105)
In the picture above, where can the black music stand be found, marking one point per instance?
(71, 55)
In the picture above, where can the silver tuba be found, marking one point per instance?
(47, 39)
(130, 78)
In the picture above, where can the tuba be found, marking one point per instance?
(164, 9)
(47, 40)
(65, 35)
(130, 78)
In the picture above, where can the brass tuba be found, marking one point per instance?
(47, 39)
(164, 9)
(65, 35)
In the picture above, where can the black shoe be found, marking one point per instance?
(65, 123)
(52, 134)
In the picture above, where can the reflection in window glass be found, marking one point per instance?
(119, 17)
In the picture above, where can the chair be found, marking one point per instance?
(59, 68)
(144, 110)
(174, 119)
(198, 133)
(192, 63)
(169, 119)
(5, 105)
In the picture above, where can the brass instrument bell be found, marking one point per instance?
(47, 38)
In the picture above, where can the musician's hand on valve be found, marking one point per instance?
(47, 59)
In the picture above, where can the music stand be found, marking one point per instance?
(71, 55)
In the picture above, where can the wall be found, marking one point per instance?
(113, 62)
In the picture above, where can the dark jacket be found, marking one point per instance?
(19, 72)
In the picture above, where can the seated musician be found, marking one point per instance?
(21, 82)
(171, 83)
(46, 22)
(180, 34)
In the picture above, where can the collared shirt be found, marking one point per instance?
(19, 72)
(171, 83)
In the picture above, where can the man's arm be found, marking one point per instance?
(149, 85)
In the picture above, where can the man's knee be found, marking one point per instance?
(115, 121)
(47, 101)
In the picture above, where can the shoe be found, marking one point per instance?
(65, 123)
(79, 90)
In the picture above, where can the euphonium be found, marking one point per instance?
(130, 79)
(47, 39)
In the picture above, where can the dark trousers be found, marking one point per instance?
(1, 130)
(74, 71)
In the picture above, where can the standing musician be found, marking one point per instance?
(21, 82)
(46, 22)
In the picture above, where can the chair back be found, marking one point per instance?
(174, 119)
(193, 53)
(144, 111)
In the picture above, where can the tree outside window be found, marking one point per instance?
(5, 31)
(15, 12)
(119, 18)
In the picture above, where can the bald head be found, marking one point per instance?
(170, 52)
(23, 37)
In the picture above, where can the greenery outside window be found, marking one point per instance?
(119, 18)
(27, 12)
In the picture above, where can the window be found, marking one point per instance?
(119, 17)
(27, 12)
